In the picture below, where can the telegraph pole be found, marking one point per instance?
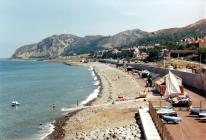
(164, 62)
(200, 59)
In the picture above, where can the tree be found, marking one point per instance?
(202, 53)
(153, 54)
(202, 50)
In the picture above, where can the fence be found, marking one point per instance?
(163, 131)
(161, 127)
(199, 104)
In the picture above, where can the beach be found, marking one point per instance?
(105, 117)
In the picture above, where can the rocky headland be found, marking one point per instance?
(67, 44)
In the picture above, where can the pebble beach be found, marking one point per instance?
(106, 117)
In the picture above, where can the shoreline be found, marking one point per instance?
(100, 89)
(107, 113)
(58, 132)
(112, 83)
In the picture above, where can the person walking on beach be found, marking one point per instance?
(53, 106)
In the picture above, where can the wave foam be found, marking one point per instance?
(96, 83)
(92, 96)
(93, 74)
(91, 68)
(45, 130)
(95, 78)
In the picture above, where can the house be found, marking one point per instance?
(99, 54)
(202, 42)
(152, 78)
(198, 41)
(144, 55)
(136, 53)
(115, 51)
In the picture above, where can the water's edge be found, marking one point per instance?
(53, 128)
(58, 132)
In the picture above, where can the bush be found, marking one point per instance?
(153, 54)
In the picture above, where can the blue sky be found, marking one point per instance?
(29, 21)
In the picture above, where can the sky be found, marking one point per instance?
(29, 21)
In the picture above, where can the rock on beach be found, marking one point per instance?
(127, 132)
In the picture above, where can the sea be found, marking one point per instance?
(42, 89)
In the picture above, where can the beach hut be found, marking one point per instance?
(169, 84)
(152, 78)
(204, 70)
(129, 68)
(144, 73)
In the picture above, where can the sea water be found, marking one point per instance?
(37, 86)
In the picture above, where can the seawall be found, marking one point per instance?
(197, 81)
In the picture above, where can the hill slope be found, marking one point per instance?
(173, 35)
(67, 44)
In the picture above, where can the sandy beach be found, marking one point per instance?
(106, 118)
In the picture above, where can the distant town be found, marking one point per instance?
(188, 55)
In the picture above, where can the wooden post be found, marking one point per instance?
(160, 104)
(77, 103)
(162, 130)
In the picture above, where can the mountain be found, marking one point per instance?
(122, 38)
(173, 35)
(50, 46)
(67, 44)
